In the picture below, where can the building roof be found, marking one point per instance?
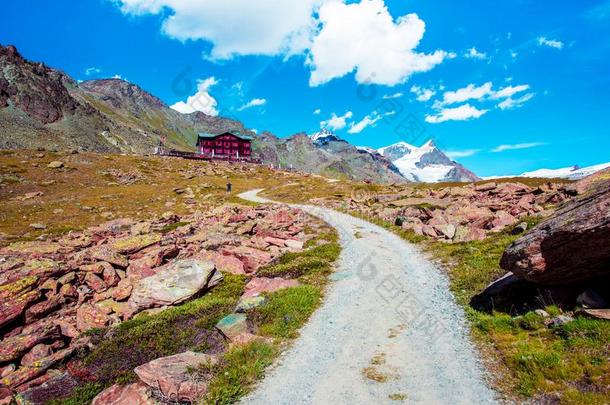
(208, 135)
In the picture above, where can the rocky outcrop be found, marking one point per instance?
(43, 107)
(457, 214)
(53, 292)
(571, 246)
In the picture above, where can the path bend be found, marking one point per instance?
(388, 314)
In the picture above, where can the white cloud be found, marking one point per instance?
(201, 100)
(236, 27)
(337, 38)
(335, 122)
(552, 43)
(363, 37)
(369, 120)
(92, 71)
(317, 111)
(473, 53)
(392, 96)
(456, 154)
(470, 92)
(486, 92)
(422, 93)
(117, 76)
(509, 91)
(255, 102)
(511, 103)
(517, 146)
(462, 113)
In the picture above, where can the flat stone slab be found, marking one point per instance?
(232, 325)
(175, 283)
(172, 376)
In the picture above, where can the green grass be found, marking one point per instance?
(286, 311)
(190, 327)
(570, 362)
(473, 265)
(237, 371)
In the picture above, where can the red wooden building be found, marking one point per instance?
(225, 144)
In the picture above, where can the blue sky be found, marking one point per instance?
(505, 86)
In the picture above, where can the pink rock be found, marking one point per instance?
(429, 231)
(67, 329)
(223, 263)
(174, 284)
(122, 290)
(486, 187)
(133, 394)
(13, 307)
(172, 377)
(96, 268)
(38, 352)
(14, 347)
(260, 285)
(89, 316)
(229, 264)
(43, 308)
(275, 241)
(108, 254)
(502, 219)
(110, 276)
(252, 258)
(294, 244)
(95, 282)
(245, 338)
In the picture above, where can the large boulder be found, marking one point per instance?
(571, 246)
(132, 394)
(175, 283)
(172, 376)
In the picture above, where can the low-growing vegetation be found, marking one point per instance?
(191, 327)
(567, 364)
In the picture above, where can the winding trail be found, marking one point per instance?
(388, 315)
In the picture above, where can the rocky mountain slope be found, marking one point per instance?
(325, 153)
(43, 107)
(426, 163)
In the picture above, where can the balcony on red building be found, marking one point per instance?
(226, 144)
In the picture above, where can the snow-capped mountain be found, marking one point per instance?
(426, 163)
(572, 173)
(325, 136)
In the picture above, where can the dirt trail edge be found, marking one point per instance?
(389, 330)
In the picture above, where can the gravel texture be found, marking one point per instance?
(389, 330)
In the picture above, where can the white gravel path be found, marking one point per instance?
(386, 302)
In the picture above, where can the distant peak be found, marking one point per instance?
(324, 136)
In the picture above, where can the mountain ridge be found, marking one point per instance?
(426, 163)
(42, 107)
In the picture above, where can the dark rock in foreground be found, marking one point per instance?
(570, 247)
